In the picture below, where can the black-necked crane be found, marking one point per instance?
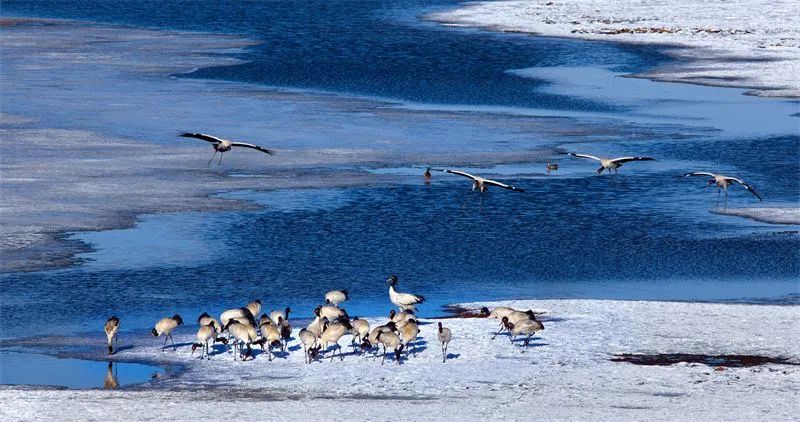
(409, 333)
(404, 301)
(610, 163)
(498, 313)
(481, 183)
(254, 307)
(335, 297)
(722, 183)
(206, 319)
(317, 325)
(526, 327)
(401, 318)
(284, 314)
(164, 328)
(514, 317)
(286, 332)
(243, 333)
(245, 313)
(360, 330)
(309, 341)
(332, 334)
(271, 335)
(223, 145)
(331, 312)
(205, 334)
(111, 328)
(445, 336)
(390, 340)
(372, 338)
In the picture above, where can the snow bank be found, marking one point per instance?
(767, 215)
(566, 373)
(741, 43)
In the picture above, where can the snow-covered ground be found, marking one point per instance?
(767, 214)
(566, 373)
(751, 44)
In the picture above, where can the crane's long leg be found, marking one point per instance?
(719, 192)
(498, 331)
(174, 347)
(212, 158)
(220, 159)
(726, 200)
(165, 343)
(464, 205)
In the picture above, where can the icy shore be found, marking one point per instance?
(747, 44)
(566, 373)
(772, 215)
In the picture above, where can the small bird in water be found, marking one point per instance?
(223, 145)
(722, 183)
(111, 328)
(611, 163)
(427, 175)
(551, 167)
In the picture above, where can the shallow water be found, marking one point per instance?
(36, 369)
(641, 234)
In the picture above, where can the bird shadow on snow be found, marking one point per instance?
(453, 355)
(294, 348)
(520, 342)
(218, 349)
(176, 346)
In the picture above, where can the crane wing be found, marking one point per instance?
(460, 173)
(502, 185)
(591, 157)
(700, 173)
(628, 159)
(207, 138)
(745, 185)
(255, 147)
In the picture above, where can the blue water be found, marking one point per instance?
(641, 234)
(371, 48)
(35, 369)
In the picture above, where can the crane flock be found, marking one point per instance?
(240, 332)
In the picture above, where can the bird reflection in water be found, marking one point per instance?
(111, 382)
